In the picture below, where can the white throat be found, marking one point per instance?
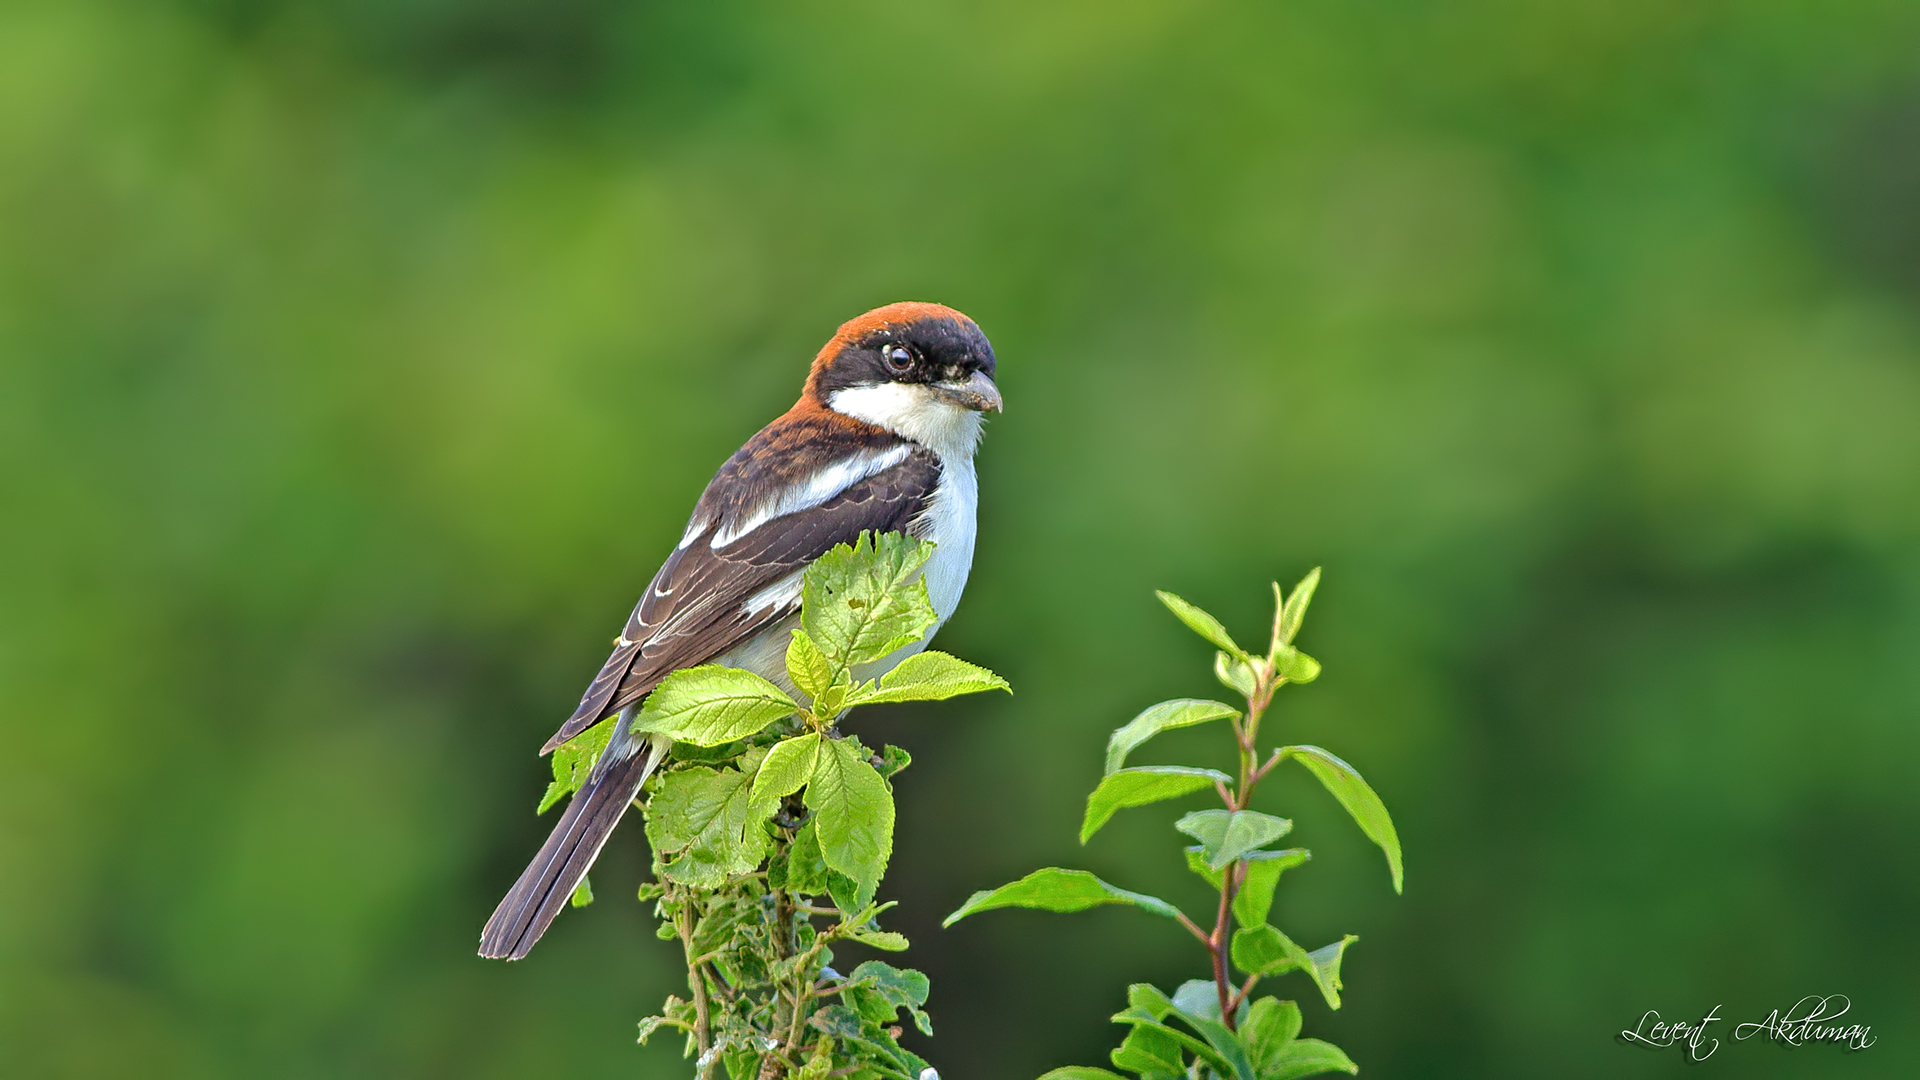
(914, 412)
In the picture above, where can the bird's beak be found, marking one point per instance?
(977, 393)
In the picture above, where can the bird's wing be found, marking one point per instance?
(706, 598)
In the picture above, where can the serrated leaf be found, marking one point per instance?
(1294, 611)
(807, 666)
(1202, 623)
(711, 704)
(1270, 1025)
(1360, 802)
(1308, 1057)
(573, 762)
(847, 893)
(704, 755)
(884, 940)
(893, 760)
(1255, 898)
(786, 770)
(1081, 1072)
(928, 676)
(582, 894)
(1226, 835)
(1142, 786)
(862, 602)
(806, 870)
(904, 988)
(1054, 889)
(704, 817)
(1154, 719)
(853, 809)
(652, 1024)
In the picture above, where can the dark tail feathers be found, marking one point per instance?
(548, 882)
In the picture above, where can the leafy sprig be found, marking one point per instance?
(771, 830)
(1214, 1028)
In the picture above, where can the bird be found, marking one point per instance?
(882, 439)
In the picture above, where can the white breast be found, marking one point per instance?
(949, 523)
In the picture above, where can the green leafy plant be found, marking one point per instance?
(1213, 1028)
(771, 831)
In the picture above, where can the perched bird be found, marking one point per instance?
(881, 440)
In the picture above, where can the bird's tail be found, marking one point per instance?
(548, 882)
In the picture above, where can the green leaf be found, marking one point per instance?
(1198, 997)
(1151, 1050)
(807, 666)
(1081, 1072)
(862, 602)
(1226, 835)
(848, 895)
(582, 893)
(704, 755)
(1235, 675)
(806, 869)
(893, 760)
(1198, 1048)
(1362, 804)
(786, 770)
(573, 761)
(1294, 665)
(1308, 1057)
(1326, 968)
(1166, 716)
(710, 704)
(1270, 1025)
(903, 988)
(1265, 951)
(1053, 889)
(705, 817)
(1255, 898)
(1141, 786)
(853, 807)
(1294, 611)
(678, 1014)
(1222, 1049)
(884, 940)
(928, 676)
(1202, 623)
(1147, 998)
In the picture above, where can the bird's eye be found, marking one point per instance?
(898, 359)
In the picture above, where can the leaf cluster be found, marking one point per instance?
(771, 831)
(1215, 1028)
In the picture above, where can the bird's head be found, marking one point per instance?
(921, 371)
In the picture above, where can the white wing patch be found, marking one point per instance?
(810, 492)
(781, 594)
(694, 528)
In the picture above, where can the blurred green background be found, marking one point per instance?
(360, 360)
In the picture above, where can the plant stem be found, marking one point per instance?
(696, 981)
(1218, 945)
(1251, 773)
